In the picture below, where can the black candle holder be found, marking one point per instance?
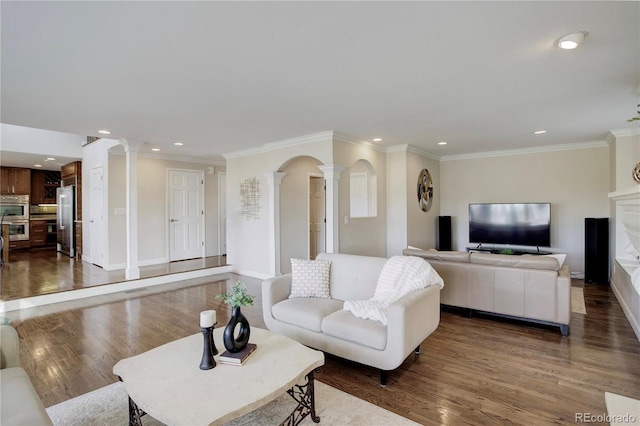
(208, 362)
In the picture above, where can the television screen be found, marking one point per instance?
(526, 224)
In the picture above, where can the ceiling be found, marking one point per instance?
(227, 76)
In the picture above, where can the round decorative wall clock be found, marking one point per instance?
(425, 190)
(636, 173)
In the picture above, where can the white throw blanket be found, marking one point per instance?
(400, 275)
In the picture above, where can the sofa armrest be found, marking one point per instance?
(411, 319)
(9, 347)
(274, 290)
(564, 295)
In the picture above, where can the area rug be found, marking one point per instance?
(577, 301)
(108, 406)
(622, 410)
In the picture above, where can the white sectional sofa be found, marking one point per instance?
(19, 402)
(321, 323)
(533, 288)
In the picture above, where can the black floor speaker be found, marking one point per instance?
(596, 250)
(444, 233)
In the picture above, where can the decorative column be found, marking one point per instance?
(131, 148)
(332, 176)
(273, 181)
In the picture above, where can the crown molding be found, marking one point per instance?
(413, 150)
(521, 151)
(300, 140)
(171, 158)
(627, 131)
(285, 143)
(330, 135)
(342, 137)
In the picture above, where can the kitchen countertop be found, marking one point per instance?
(43, 217)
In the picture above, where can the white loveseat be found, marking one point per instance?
(532, 288)
(321, 323)
(19, 402)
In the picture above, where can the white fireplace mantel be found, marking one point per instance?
(628, 223)
(625, 281)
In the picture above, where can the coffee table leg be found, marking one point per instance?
(135, 414)
(304, 395)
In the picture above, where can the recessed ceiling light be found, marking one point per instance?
(155, 149)
(104, 132)
(178, 143)
(49, 159)
(571, 41)
(37, 165)
(539, 132)
(442, 143)
(377, 139)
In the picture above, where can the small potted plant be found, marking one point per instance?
(237, 298)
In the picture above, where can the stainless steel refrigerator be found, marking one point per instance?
(66, 220)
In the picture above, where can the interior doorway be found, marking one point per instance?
(317, 216)
(96, 219)
(186, 214)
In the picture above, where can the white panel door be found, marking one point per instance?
(96, 217)
(186, 214)
(316, 217)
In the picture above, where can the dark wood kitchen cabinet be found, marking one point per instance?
(43, 186)
(37, 233)
(15, 180)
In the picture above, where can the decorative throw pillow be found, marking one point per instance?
(310, 278)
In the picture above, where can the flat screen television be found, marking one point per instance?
(525, 224)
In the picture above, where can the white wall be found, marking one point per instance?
(397, 201)
(627, 155)
(152, 208)
(41, 142)
(294, 210)
(362, 235)
(575, 182)
(421, 226)
(408, 225)
(248, 239)
(94, 155)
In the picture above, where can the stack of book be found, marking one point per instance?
(238, 358)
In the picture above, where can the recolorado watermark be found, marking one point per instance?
(601, 418)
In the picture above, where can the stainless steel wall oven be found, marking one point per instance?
(14, 210)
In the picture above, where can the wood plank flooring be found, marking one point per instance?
(45, 271)
(472, 370)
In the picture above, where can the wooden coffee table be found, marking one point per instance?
(167, 383)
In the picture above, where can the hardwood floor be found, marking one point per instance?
(45, 271)
(472, 370)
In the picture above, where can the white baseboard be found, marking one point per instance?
(153, 261)
(252, 274)
(114, 266)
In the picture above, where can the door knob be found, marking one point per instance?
(173, 220)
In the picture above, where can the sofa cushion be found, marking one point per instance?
(353, 277)
(451, 256)
(305, 312)
(345, 326)
(529, 262)
(310, 278)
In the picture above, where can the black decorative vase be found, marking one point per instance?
(231, 342)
